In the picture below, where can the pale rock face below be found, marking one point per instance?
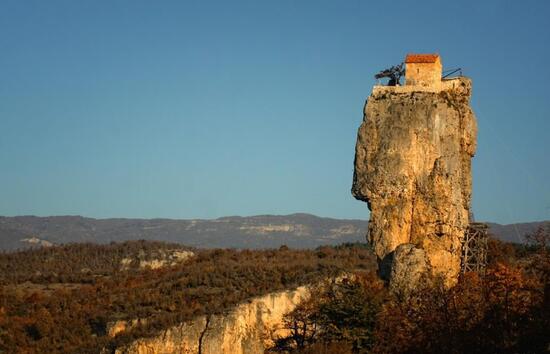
(249, 328)
(116, 327)
(36, 241)
(409, 266)
(162, 259)
(298, 229)
(413, 168)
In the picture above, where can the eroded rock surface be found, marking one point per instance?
(413, 168)
(409, 268)
(249, 328)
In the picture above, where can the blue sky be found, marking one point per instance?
(201, 109)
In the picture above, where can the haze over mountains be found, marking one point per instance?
(263, 231)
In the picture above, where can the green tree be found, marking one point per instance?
(349, 311)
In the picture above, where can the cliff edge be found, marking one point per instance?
(249, 328)
(413, 168)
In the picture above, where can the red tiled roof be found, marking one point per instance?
(421, 58)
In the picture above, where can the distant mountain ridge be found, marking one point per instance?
(261, 231)
(516, 232)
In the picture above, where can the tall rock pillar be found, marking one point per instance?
(413, 168)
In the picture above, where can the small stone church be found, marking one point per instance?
(423, 70)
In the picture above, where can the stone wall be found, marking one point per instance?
(451, 84)
(423, 74)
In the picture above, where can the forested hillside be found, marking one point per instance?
(256, 232)
(65, 299)
(263, 231)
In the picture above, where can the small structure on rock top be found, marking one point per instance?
(423, 73)
(423, 69)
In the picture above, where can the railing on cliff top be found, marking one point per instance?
(446, 74)
(449, 72)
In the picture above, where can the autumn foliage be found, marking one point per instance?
(506, 310)
(63, 299)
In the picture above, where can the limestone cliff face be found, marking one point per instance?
(413, 168)
(248, 328)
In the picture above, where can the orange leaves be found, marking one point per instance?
(511, 289)
(491, 314)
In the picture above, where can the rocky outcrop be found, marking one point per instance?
(120, 326)
(249, 328)
(156, 260)
(413, 168)
(35, 241)
(409, 268)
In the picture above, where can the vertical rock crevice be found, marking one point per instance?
(201, 336)
(248, 328)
